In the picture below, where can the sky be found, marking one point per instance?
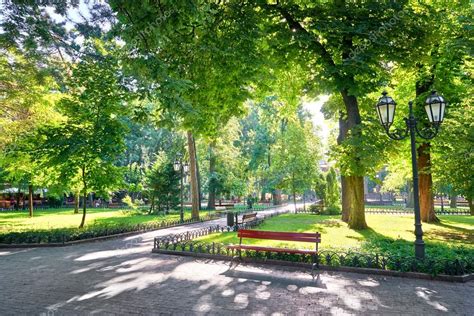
(314, 107)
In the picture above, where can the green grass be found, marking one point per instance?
(387, 233)
(65, 218)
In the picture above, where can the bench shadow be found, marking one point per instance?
(274, 279)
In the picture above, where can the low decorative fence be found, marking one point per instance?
(455, 267)
(185, 244)
(397, 211)
(409, 211)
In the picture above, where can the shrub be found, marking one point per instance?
(128, 201)
(331, 210)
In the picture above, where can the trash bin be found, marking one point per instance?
(230, 219)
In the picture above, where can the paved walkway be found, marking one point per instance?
(121, 276)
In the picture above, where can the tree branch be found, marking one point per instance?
(298, 28)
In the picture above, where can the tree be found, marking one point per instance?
(332, 201)
(163, 184)
(344, 51)
(26, 102)
(91, 138)
(204, 81)
(295, 158)
(454, 160)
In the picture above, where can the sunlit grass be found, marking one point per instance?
(395, 232)
(65, 218)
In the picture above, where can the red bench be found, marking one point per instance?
(314, 238)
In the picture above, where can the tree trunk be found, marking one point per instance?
(355, 202)
(198, 173)
(211, 203)
(426, 184)
(453, 201)
(194, 177)
(76, 202)
(30, 199)
(346, 205)
(353, 188)
(84, 198)
(471, 205)
(294, 202)
(152, 204)
(276, 197)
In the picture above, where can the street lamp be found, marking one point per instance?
(434, 107)
(183, 168)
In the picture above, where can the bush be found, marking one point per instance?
(315, 208)
(128, 201)
(331, 210)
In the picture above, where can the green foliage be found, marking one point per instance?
(295, 158)
(163, 184)
(332, 201)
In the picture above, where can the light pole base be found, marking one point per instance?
(420, 249)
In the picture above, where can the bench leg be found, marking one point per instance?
(234, 259)
(315, 265)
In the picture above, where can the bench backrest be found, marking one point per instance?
(260, 234)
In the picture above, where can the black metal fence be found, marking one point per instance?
(184, 243)
(397, 211)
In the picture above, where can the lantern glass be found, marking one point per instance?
(177, 165)
(186, 167)
(435, 106)
(386, 109)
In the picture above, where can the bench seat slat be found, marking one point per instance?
(272, 249)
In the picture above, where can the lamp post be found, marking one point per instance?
(434, 106)
(183, 168)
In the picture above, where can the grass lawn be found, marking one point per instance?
(386, 233)
(65, 218)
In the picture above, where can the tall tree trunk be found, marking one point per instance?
(198, 172)
(294, 201)
(276, 197)
(211, 203)
(353, 185)
(30, 199)
(355, 202)
(76, 202)
(152, 204)
(194, 177)
(84, 198)
(453, 201)
(471, 205)
(426, 184)
(346, 205)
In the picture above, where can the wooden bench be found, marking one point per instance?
(314, 238)
(246, 218)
